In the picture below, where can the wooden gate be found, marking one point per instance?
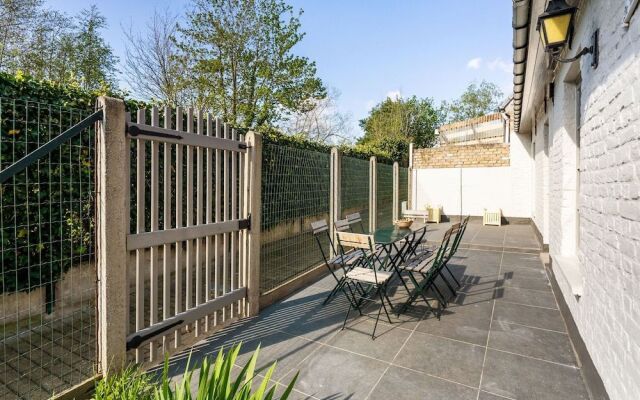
(192, 195)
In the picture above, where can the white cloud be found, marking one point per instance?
(501, 65)
(474, 63)
(369, 104)
(394, 94)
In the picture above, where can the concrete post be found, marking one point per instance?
(396, 192)
(112, 223)
(335, 194)
(253, 187)
(410, 179)
(372, 193)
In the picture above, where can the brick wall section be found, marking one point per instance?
(481, 155)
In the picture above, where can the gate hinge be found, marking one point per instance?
(245, 223)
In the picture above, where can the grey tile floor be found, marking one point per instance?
(502, 337)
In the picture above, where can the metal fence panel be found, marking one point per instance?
(384, 196)
(295, 192)
(47, 274)
(354, 188)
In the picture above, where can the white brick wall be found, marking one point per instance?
(608, 313)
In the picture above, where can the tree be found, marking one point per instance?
(151, 65)
(239, 54)
(394, 123)
(47, 44)
(94, 61)
(16, 18)
(322, 123)
(476, 101)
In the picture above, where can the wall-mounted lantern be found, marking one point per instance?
(556, 27)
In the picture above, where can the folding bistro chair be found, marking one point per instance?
(461, 227)
(429, 267)
(366, 274)
(356, 219)
(343, 260)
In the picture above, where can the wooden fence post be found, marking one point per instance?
(396, 194)
(335, 206)
(253, 204)
(112, 223)
(373, 183)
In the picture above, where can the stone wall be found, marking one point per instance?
(481, 155)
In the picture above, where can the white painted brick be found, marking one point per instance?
(608, 314)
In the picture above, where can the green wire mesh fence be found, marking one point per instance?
(354, 188)
(295, 192)
(47, 274)
(384, 196)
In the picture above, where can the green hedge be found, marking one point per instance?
(40, 241)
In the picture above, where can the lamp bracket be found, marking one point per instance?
(593, 50)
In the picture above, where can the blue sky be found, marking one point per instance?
(369, 49)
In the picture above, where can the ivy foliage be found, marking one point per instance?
(47, 221)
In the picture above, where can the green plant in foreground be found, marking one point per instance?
(215, 382)
(130, 384)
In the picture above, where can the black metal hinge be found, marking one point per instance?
(245, 223)
(134, 131)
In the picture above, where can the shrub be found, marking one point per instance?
(215, 382)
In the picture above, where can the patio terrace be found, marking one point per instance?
(502, 336)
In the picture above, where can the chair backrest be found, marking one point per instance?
(456, 230)
(342, 225)
(442, 250)
(319, 229)
(355, 240)
(354, 219)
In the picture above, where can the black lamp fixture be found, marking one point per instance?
(556, 27)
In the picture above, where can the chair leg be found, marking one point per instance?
(346, 316)
(446, 281)
(373, 335)
(333, 292)
(382, 296)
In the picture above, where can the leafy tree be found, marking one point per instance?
(16, 18)
(47, 44)
(394, 123)
(476, 101)
(239, 54)
(95, 63)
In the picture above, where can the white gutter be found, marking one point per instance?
(630, 11)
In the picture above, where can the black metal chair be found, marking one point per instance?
(345, 261)
(429, 267)
(356, 219)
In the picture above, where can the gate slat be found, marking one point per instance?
(166, 272)
(189, 255)
(207, 273)
(234, 204)
(225, 236)
(153, 295)
(218, 174)
(140, 207)
(199, 189)
(178, 251)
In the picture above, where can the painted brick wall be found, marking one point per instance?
(608, 249)
(482, 155)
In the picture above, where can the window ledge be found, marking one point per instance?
(569, 266)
